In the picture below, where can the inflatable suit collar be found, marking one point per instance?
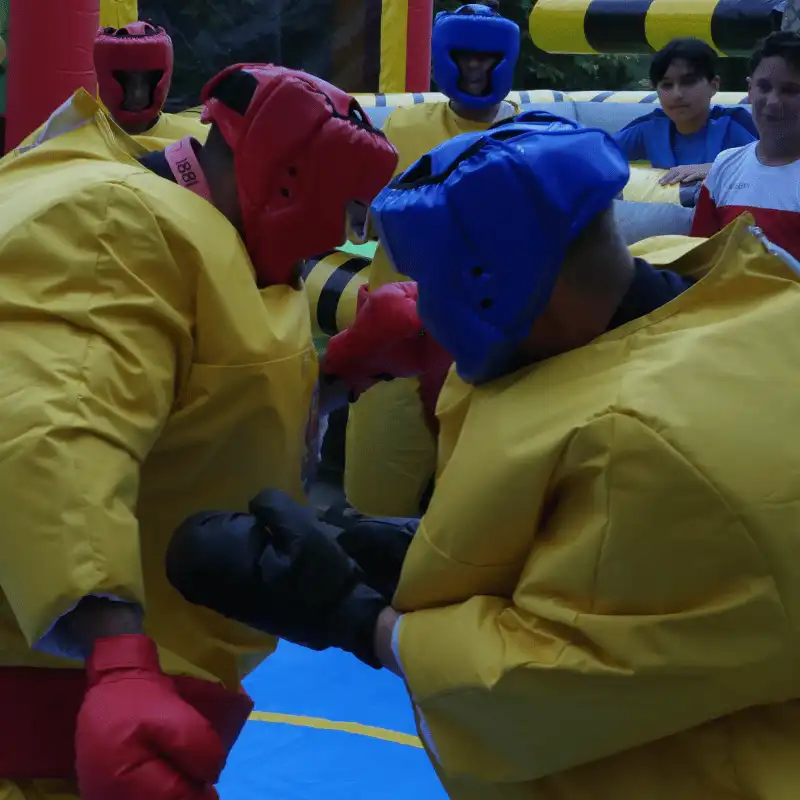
(138, 47)
(533, 186)
(479, 29)
(303, 150)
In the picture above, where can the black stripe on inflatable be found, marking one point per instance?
(310, 263)
(737, 26)
(558, 97)
(617, 26)
(601, 96)
(524, 98)
(418, 97)
(372, 44)
(651, 98)
(332, 292)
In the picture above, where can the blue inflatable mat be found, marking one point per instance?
(327, 728)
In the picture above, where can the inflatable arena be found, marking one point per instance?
(325, 727)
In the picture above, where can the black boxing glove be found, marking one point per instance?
(276, 570)
(378, 545)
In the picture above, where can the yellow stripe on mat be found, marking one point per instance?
(356, 728)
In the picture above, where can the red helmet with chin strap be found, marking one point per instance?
(303, 150)
(138, 47)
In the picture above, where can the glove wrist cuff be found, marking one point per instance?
(358, 615)
(128, 651)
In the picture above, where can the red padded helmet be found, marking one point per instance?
(138, 47)
(303, 150)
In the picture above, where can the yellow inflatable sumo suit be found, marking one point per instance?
(169, 129)
(141, 384)
(665, 250)
(644, 187)
(614, 613)
(390, 451)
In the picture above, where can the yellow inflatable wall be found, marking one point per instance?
(118, 13)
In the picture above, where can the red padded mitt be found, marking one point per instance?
(136, 737)
(387, 340)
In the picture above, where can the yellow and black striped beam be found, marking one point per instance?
(589, 27)
(332, 284)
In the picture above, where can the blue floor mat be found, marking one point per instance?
(284, 755)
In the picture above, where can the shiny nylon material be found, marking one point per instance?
(322, 154)
(387, 425)
(612, 614)
(474, 28)
(138, 47)
(195, 393)
(554, 176)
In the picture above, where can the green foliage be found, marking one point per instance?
(326, 37)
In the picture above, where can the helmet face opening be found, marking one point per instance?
(476, 71)
(134, 68)
(138, 88)
(475, 51)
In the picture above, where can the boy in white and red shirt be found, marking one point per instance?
(762, 178)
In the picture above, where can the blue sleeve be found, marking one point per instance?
(738, 136)
(632, 142)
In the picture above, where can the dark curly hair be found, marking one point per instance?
(701, 57)
(783, 44)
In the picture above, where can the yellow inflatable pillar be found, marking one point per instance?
(118, 13)
(588, 27)
(405, 45)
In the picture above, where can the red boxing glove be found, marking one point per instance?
(386, 340)
(437, 365)
(136, 738)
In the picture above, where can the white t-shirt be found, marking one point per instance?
(739, 183)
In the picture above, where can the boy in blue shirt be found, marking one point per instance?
(687, 133)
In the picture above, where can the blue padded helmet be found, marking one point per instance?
(483, 223)
(478, 29)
